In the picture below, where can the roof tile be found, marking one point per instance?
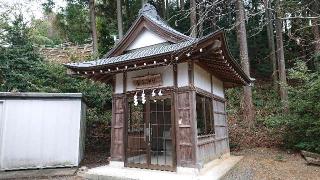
(137, 54)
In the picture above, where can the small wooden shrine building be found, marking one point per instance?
(168, 95)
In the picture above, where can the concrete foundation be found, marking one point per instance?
(213, 170)
(37, 173)
(116, 164)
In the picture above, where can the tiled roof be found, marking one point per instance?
(137, 54)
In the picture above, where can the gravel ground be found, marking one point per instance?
(257, 164)
(265, 164)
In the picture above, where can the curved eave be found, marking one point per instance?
(235, 64)
(219, 61)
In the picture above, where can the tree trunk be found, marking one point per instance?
(167, 9)
(271, 43)
(50, 18)
(201, 19)
(316, 33)
(182, 4)
(163, 8)
(93, 26)
(281, 61)
(119, 19)
(247, 105)
(193, 18)
(213, 18)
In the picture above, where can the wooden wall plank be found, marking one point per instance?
(221, 128)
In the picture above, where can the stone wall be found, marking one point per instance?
(66, 52)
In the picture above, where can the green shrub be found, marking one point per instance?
(23, 70)
(302, 124)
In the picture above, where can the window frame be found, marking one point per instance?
(204, 102)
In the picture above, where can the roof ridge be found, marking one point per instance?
(160, 22)
(149, 9)
(150, 12)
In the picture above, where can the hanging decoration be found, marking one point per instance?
(135, 99)
(153, 94)
(143, 97)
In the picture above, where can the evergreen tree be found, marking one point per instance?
(247, 104)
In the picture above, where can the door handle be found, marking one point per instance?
(150, 132)
(147, 132)
(144, 132)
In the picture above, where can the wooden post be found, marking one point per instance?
(191, 73)
(186, 128)
(118, 124)
(125, 109)
(117, 128)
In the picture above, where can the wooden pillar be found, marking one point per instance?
(186, 137)
(185, 117)
(175, 76)
(125, 115)
(186, 128)
(118, 124)
(117, 127)
(191, 73)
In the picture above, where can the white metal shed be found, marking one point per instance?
(41, 130)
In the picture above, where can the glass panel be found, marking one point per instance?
(200, 115)
(160, 120)
(161, 141)
(160, 133)
(137, 146)
(153, 105)
(167, 104)
(167, 118)
(160, 105)
(204, 115)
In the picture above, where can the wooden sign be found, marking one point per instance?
(147, 81)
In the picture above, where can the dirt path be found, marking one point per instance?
(265, 164)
